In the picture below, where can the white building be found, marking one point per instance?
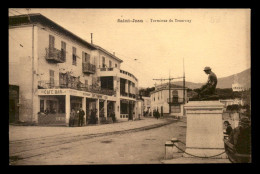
(160, 100)
(238, 87)
(52, 69)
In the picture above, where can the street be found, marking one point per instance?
(132, 146)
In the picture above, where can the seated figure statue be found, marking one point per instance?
(207, 91)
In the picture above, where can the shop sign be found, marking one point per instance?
(52, 92)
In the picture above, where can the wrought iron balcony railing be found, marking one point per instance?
(88, 68)
(76, 86)
(54, 55)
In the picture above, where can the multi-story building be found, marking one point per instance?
(51, 70)
(161, 102)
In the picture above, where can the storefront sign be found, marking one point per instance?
(52, 92)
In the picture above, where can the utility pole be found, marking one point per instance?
(169, 79)
(169, 90)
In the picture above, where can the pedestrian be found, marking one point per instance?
(240, 137)
(81, 114)
(72, 118)
(228, 128)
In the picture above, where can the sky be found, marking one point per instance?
(157, 45)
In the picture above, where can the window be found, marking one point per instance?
(63, 50)
(74, 57)
(103, 62)
(85, 57)
(110, 64)
(115, 65)
(51, 78)
(51, 41)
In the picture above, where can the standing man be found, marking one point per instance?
(81, 116)
(210, 87)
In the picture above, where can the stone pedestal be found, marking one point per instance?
(204, 136)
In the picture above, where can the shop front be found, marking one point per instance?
(56, 106)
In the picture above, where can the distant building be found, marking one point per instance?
(160, 100)
(238, 87)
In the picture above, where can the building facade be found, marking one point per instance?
(57, 71)
(172, 106)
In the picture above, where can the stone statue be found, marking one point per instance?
(208, 90)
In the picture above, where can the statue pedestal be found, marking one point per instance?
(204, 136)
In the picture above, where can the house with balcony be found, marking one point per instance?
(169, 104)
(57, 71)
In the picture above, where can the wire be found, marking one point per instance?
(12, 13)
(16, 11)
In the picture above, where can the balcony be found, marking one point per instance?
(54, 55)
(77, 86)
(175, 100)
(88, 68)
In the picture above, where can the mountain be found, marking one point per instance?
(243, 78)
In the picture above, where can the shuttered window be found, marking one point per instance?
(74, 56)
(63, 50)
(51, 78)
(51, 41)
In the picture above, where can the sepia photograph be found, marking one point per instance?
(114, 86)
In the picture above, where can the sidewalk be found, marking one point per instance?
(17, 133)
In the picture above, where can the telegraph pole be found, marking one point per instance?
(169, 79)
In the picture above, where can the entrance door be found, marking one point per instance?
(161, 111)
(13, 103)
(130, 112)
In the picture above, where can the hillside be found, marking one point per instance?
(243, 77)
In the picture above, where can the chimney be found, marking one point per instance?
(91, 38)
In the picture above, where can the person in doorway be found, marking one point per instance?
(72, 118)
(81, 116)
(210, 87)
(228, 128)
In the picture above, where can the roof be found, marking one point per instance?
(105, 51)
(39, 18)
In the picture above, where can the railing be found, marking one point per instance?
(54, 55)
(131, 95)
(129, 74)
(124, 94)
(88, 68)
(175, 100)
(77, 86)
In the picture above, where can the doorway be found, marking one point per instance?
(13, 103)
